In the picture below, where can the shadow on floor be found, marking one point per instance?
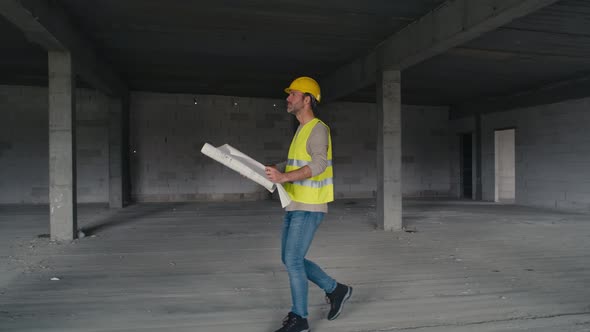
(126, 216)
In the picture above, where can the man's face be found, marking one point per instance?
(295, 102)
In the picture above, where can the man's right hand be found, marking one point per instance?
(273, 174)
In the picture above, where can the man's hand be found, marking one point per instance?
(274, 175)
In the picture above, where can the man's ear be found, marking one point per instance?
(307, 99)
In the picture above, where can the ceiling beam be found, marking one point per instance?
(45, 23)
(452, 24)
(575, 88)
(516, 55)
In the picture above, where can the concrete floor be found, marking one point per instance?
(216, 268)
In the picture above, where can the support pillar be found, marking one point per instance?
(62, 147)
(116, 153)
(389, 151)
(478, 158)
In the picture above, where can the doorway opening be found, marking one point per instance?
(505, 166)
(466, 179)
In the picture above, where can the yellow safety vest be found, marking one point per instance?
(315, 190)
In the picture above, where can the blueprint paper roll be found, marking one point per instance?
(246, 166)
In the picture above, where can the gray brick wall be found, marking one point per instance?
(425, 156)
(552, 154)
(24, 146)
(425, 151)
(168, 131)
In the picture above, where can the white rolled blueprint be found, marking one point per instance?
(246, 166)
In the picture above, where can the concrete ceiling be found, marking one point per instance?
(252, 48)
(547, 47)
(21, 62)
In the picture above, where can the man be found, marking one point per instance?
(308, 180)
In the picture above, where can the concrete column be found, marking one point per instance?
(478, 158)
(125, 151)
(116, 154)
(389, 150)
(62, 147)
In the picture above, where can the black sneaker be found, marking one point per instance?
(336, 299)
(294, 323)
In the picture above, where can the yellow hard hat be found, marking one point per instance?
(306, 85)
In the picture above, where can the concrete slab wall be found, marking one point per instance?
(24, 163)
(552, 154)
(168, 131)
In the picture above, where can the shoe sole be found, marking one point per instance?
(346, 297)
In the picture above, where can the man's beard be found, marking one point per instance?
(293, 109)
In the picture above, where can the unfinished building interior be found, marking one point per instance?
(461, 139)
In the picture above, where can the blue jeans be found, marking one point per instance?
(298, 231)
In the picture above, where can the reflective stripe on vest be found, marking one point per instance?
(314, 184)
(301, 163)
(318, 189)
